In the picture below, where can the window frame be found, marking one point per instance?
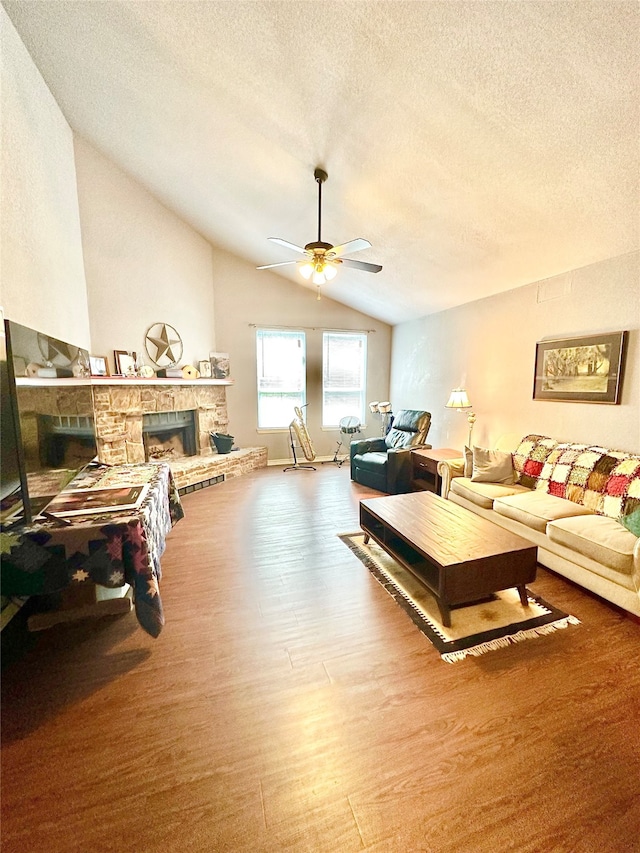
(262, 334)
(361, 390)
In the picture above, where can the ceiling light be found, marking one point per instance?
(330, 271)
(306, 269)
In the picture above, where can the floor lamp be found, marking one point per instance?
(460, 401)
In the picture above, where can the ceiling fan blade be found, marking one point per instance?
(281, 264)
(288, 245)
(360, 265)
(356, 245)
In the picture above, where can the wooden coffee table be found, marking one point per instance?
(459, 556)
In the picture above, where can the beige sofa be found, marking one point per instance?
(572, 500)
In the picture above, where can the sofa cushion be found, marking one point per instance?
(536, 509)
(483, 494)
(492, 466)
(596, 536)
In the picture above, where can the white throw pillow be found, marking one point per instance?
(492, 466)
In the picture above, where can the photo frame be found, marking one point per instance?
(584, 369)
(204, 367)
(219, 365)
(125, 362)
(98, 365)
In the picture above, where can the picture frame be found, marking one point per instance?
(219, 365)
(204, 367)
(98, 365)
(586, 369)
(125, 362)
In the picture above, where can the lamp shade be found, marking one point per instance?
(306, 269)
(458, 399)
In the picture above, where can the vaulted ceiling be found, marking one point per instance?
(478, 146)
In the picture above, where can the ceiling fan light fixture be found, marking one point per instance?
(322, 260)
(330, 272)
(306, 269)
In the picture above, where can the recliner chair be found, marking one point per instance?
(385, 463)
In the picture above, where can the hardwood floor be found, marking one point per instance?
(291, 705)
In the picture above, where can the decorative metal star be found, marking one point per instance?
(167, 342)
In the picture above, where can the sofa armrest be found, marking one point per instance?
(447, 470)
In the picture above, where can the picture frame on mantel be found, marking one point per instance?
(125, 362)
(219, 365)
(585, 369)
(204, 367)
(98, 365)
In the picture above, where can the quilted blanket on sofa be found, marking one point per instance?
(605, 481)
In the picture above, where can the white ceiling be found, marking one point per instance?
(478, 146)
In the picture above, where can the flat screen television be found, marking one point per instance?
(48, 433)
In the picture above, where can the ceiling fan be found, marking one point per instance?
(321, 260)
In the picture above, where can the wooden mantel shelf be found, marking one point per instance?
(40, 382)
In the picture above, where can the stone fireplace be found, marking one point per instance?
(119, 412)
(57, 414)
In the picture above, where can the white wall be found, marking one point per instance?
(246, 298)
(143, 264)
(41, 273)
(489, 347)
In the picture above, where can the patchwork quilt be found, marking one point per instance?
(605, 481)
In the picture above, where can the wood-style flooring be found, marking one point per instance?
(290, 705)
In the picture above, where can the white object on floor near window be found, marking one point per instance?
(344, 376)
(281, 359)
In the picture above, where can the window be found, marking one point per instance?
(344, 370)
(281, 376)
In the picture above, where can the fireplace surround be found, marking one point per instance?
(117, 407)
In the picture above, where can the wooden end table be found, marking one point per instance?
(424, 464)
(458, 555)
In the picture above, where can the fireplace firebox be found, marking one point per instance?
(168, 435)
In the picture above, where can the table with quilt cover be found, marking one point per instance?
(109, 549)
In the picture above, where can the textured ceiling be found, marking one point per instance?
(478, 146)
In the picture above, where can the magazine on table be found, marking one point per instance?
(95, 501)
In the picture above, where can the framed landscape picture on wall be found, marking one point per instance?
(580, 370)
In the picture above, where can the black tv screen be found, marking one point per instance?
(50, 433)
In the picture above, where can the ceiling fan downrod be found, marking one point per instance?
(321, 176)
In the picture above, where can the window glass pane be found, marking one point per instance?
(344, 367)
(281, 376)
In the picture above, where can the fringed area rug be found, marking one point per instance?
(476, 628)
